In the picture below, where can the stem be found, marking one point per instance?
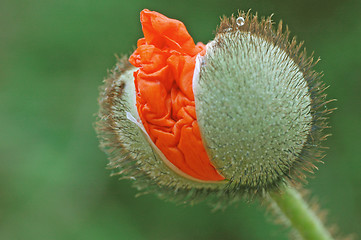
(300, 215)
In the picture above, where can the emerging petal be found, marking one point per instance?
(166, 58)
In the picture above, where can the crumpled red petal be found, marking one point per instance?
(165, 101)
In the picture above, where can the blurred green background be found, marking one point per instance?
(53, 181)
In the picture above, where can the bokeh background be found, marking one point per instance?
(53, 181)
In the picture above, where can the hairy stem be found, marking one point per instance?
(300, 216)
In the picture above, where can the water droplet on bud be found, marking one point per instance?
(240, 21)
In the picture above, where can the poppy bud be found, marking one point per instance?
(241, 115)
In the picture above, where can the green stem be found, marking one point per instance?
(300, 216)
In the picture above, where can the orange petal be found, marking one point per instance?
(165, 101)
